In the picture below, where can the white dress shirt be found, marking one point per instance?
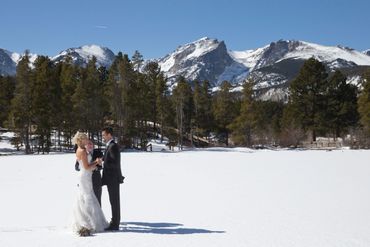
(106, 149)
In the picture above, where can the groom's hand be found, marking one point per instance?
(99, 161)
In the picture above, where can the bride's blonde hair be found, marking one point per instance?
(79, 138)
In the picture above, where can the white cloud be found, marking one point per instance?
(101, 27)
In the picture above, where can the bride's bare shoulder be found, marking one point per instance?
(80, 152)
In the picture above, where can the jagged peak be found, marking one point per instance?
(205, 41)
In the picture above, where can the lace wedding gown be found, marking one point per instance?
(87, 212)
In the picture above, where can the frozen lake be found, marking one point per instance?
(213, 197)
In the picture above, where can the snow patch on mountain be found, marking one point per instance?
(354, 80)
(234, 73)
(15, 57)
(340, 63)
(275, 94)
(248, 58)
(167, 63)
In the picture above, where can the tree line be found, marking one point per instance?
(45, 103)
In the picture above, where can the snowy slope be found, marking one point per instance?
(7, 64)
(328, 53)
(215, 197)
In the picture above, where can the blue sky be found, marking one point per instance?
(157, 27)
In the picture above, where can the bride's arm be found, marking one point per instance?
(85, 162)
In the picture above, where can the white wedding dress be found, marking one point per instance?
(87, 212)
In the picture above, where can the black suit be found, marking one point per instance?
(96, 176)
(112, 177)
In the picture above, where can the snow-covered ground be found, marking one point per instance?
(212, 197)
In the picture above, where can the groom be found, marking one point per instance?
(112, 176)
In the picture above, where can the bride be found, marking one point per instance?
(87, 214)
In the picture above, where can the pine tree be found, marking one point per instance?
(113, 91)
(268, 121)
(127, 80)
(183, 104)
(243, 125)
(162, 102)
(307, 96)
(153, 77)
(7, 87)
(341, 104)
(291, 128)
(224, 109)
(95, 98)
(102, 101)
(364, 103)
(137, 60)
(89, 100)
(203, 116)
(68, 80)
(43, 94)
(20, 115)
(56, 104)
(121, 96)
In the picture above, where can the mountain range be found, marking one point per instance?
(271, 67)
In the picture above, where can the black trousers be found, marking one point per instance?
(97, 186)
(114, 199)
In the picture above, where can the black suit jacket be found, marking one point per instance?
(112, 165)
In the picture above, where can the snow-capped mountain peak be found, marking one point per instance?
(188, 51)
(292, 49)
(271, 67)
(81, 55)
(9, 61)
(14, 56)
(203, 59)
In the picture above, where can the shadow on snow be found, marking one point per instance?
(161, 228)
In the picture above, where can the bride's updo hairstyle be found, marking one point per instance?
(79, 139)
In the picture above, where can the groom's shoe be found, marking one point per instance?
(112, 228)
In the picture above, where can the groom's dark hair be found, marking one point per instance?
(108, 130)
